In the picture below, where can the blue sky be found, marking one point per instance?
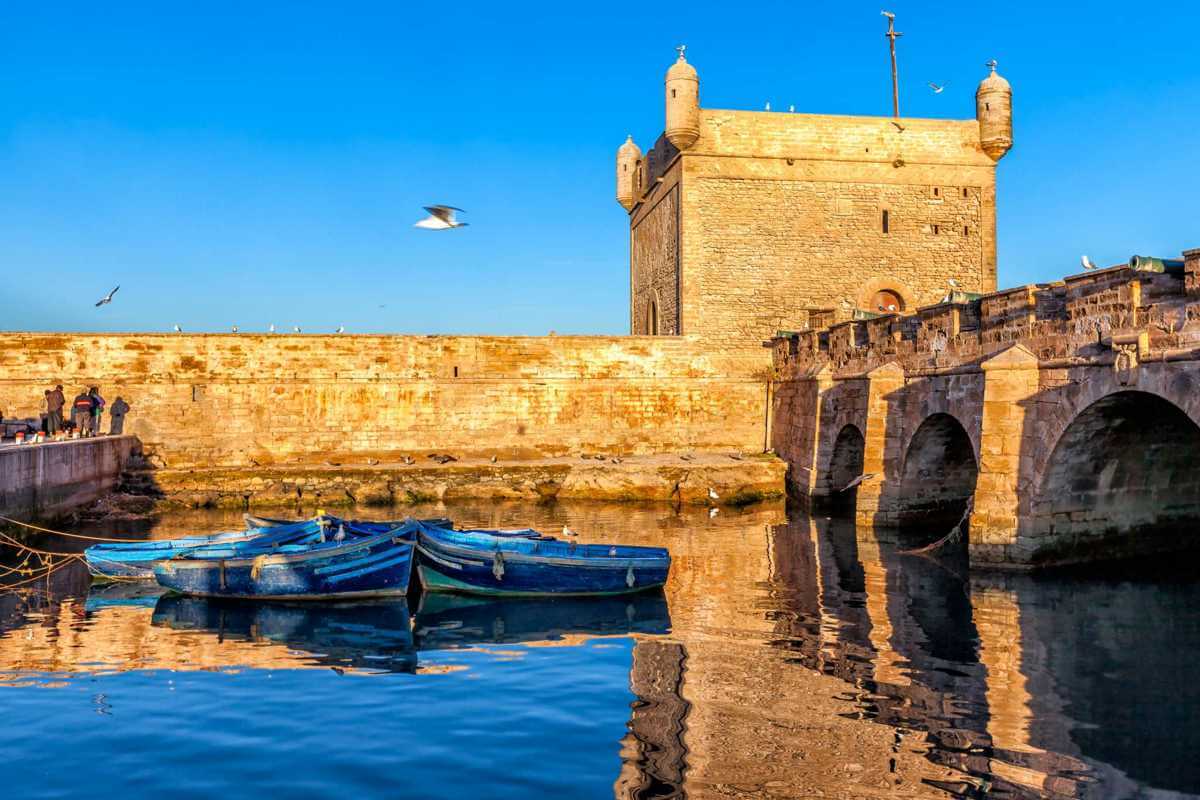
(250, 163)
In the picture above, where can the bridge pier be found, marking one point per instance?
(1007, 437)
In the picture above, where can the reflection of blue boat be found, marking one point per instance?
(297, 563)
(447, 621)
(116, 595)
(498, 563)
(370, 635)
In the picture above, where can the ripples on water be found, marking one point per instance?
(790, 657)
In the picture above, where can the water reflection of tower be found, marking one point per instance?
(653, 753)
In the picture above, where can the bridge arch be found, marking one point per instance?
(1120, 480)
(937, 478)
(845, 464)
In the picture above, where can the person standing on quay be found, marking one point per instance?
(97, 409)
(81, 412)
(118, 411)
(54, 410)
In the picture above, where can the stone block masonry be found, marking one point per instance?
(260, 400)
(54, 477)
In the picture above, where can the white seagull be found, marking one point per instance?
(341, 329)
(860, 479)
(936, 88)
(440, 218)
(712, 495)
(271, 328)
(295, 329)
(1087, 263)
(712, 512)
(234, 329)
(568, 532)
(107, 298)
(178, 329)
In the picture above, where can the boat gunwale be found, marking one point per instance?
(194, 561)
(588, 562)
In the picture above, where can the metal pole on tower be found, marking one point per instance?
(892, 35)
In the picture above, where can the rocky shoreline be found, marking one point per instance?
(736, 480)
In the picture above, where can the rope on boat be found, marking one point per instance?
(60, 533)
(950, 537)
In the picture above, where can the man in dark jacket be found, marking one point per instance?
(118, 411)
(81, 411)
(54, 410)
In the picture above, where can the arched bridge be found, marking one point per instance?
(1062, 419)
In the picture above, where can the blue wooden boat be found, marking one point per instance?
(371, 635)
(135, 560)
(494, 563)
(297, 565)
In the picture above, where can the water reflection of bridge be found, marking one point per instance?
(1019, 686)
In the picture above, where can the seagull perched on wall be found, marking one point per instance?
(295, 329)
(440, 218)
(568, 532)
(233, 329)
(178, 329)
(271, 328)
(938, 89)
(1087, 263)
(103, 301)
(341, 329)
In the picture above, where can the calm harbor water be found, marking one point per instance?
(790, 656)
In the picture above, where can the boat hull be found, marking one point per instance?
(136, 560)
(379, 567)
(445, 567)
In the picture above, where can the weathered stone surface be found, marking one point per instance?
(246, 399)
(54, 477)
(664, 477)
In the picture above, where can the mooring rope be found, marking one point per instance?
(949, 537)
(61, 533)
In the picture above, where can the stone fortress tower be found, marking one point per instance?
(746, 222)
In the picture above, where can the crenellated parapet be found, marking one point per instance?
(1072, 320)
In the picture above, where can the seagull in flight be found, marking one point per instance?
(440, 218)
(936, 88)
(899, 127)
(107, 298)
(1087, 263)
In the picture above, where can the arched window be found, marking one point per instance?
(886, 301)
(652, 318)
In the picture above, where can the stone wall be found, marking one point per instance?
(654, 288)
(54, 477)
(781, 219)
(238, 400)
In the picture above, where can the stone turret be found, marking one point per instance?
(628, 156)
(993, 109)
(683, 103)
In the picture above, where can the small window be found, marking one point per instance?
(937, 192)
(935, 230)
(672, 93)
(965, 193)
(886, 221)
(456, 372)
(966, 230)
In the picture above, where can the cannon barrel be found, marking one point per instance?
(1173, 266)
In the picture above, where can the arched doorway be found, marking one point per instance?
(1121, 479)
(845, 464)
(938, 479)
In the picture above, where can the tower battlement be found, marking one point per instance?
(745, 222)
